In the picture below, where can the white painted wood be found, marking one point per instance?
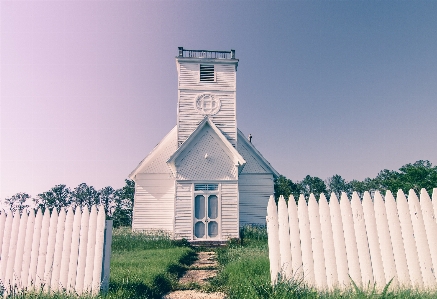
(328, 242)
(409, 241)
(42, 251)
(31, 281)
(2, 231)
(350, 240)
(421, 240)
(339, 243)
(57, 253)
(273, 240)
(296, 253)
(81, 260)
(383, 234)
(74, 254)
(317, 243)
(9, 275)
(183, 211)
(98, 252)
(154, 202)
(48, 268)
(430, 227)
(66, 250)
(192, 164)
(27, 250)
(397, 241)
(106, 256)
(284, 240)
(5, 244)
(21, 239)
(91, 247)
(372, 237)
(229, 210)
(306, 243)
(362, 241)
(254, 192)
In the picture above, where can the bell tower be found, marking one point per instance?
(206, 88)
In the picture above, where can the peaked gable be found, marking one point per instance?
(206, 155)
(256, 163)
(156, 160)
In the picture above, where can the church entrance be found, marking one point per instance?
(206, 211)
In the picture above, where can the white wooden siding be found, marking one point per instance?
(189, 77)
(255, 190)
(154, 202)
(183, 226)
(218, 165)
(189, 118)
(229, 213)
(253, 165)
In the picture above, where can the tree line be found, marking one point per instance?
(118, 203)
(418, 175)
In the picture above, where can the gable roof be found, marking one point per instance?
(257, 155)
(237, 159)
(159, 155)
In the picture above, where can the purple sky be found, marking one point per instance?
(88, 88)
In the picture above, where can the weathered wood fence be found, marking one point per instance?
(66, 251)
(368, 241)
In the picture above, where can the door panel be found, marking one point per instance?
(206, 216)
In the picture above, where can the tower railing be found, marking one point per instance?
(206, 54)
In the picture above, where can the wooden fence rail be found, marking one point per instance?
(66, 251)
(370, 241)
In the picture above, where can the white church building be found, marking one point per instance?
(204, 179)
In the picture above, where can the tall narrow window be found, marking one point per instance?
(207, 73)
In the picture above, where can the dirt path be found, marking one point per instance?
(197, 276)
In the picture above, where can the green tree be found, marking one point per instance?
(124, 199)
(17, 202)
(313, 185)
(84, 195)
(336, 184)
(57, 197)
(285, 187)
(107, 199)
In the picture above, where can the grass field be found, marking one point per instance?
(148, 266)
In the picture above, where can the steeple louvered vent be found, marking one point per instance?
(207, 73)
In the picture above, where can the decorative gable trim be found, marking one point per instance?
(237, 159)
(168, 141)
(256, 154)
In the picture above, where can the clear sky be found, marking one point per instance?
(88, 88)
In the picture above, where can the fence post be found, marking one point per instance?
(273, 240)
(384, 240)
(372, 237)
(328, 242)
(284, 239)
(421, 240)
(350, 239)
(296, 252)
(106, 256)
(339, 242)
(409, 242)
(317, 243)
(306, 243)
(397, 240)
(430, 225)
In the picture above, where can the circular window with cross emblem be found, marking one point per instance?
(207, 104)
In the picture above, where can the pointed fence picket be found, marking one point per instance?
(369, 241)
(65, 251)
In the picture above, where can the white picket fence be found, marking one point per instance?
(368, 241)
(66, 251)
